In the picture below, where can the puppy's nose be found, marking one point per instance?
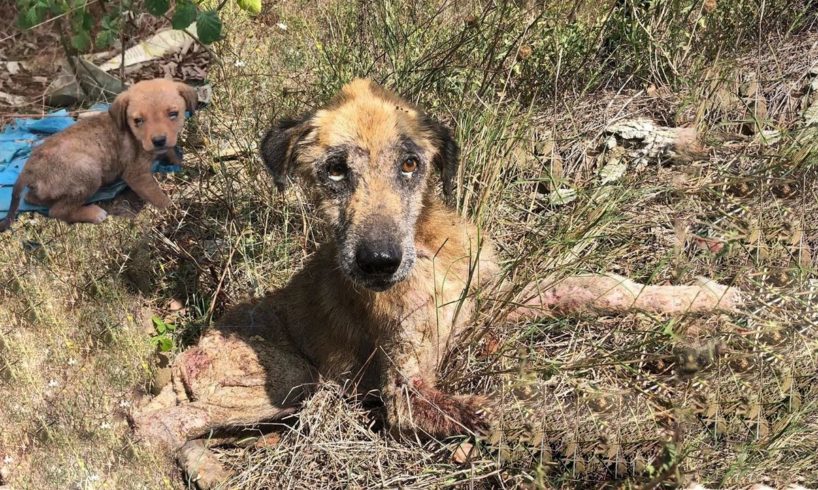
(159, 141)
(378, 258)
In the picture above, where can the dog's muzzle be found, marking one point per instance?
(159, 142)
(378, 259)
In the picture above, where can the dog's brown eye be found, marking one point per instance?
(173, 115)
(337, 171)
(409, 166)
(137, 121)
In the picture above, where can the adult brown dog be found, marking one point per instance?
(70, 166)
(381, 302)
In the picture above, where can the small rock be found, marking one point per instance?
(13, 67)
(464, 453)
(175, 305)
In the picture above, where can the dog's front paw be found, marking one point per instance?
(440, 414)
(475, 413)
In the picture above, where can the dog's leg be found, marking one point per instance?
(234, 378)
(419, 407)
(147, 188)
(610, 294)
(72, 212)
(415, 406)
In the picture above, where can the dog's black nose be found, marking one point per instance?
(378, 258)
(159, 141)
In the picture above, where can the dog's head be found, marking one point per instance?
(154, 111)
(369, 154)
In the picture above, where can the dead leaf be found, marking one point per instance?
(268, 440)
(681, 230)
(490, 345)
(13, 100)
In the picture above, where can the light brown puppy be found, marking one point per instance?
(379, 305)
(70, 166)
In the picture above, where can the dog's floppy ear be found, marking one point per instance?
(189, 94)
(447, 158)
(279, 148)
(119, 110)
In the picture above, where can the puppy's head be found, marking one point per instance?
(368, 154)
(154, 111)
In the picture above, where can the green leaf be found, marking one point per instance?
(186, 13)
(104, 39)
(159, 325)
(30, 18)
(81, 41)
(209, 26)
(157, 7)
(164, 344)
(58, 8)
(86, 22)
(252, 6)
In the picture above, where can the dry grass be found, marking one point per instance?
(725, 400)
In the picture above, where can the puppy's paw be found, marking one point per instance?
(161, 202)
(100, 216)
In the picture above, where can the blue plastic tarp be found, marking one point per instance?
(22, 135)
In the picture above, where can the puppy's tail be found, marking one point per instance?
(16, 194)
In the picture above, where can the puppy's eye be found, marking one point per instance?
(409, 166)
(173, 115)
(337, 171)
(138, 121)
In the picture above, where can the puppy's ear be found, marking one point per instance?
(447, 159)
(279, 148)
(189, 94)
(119, 110)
